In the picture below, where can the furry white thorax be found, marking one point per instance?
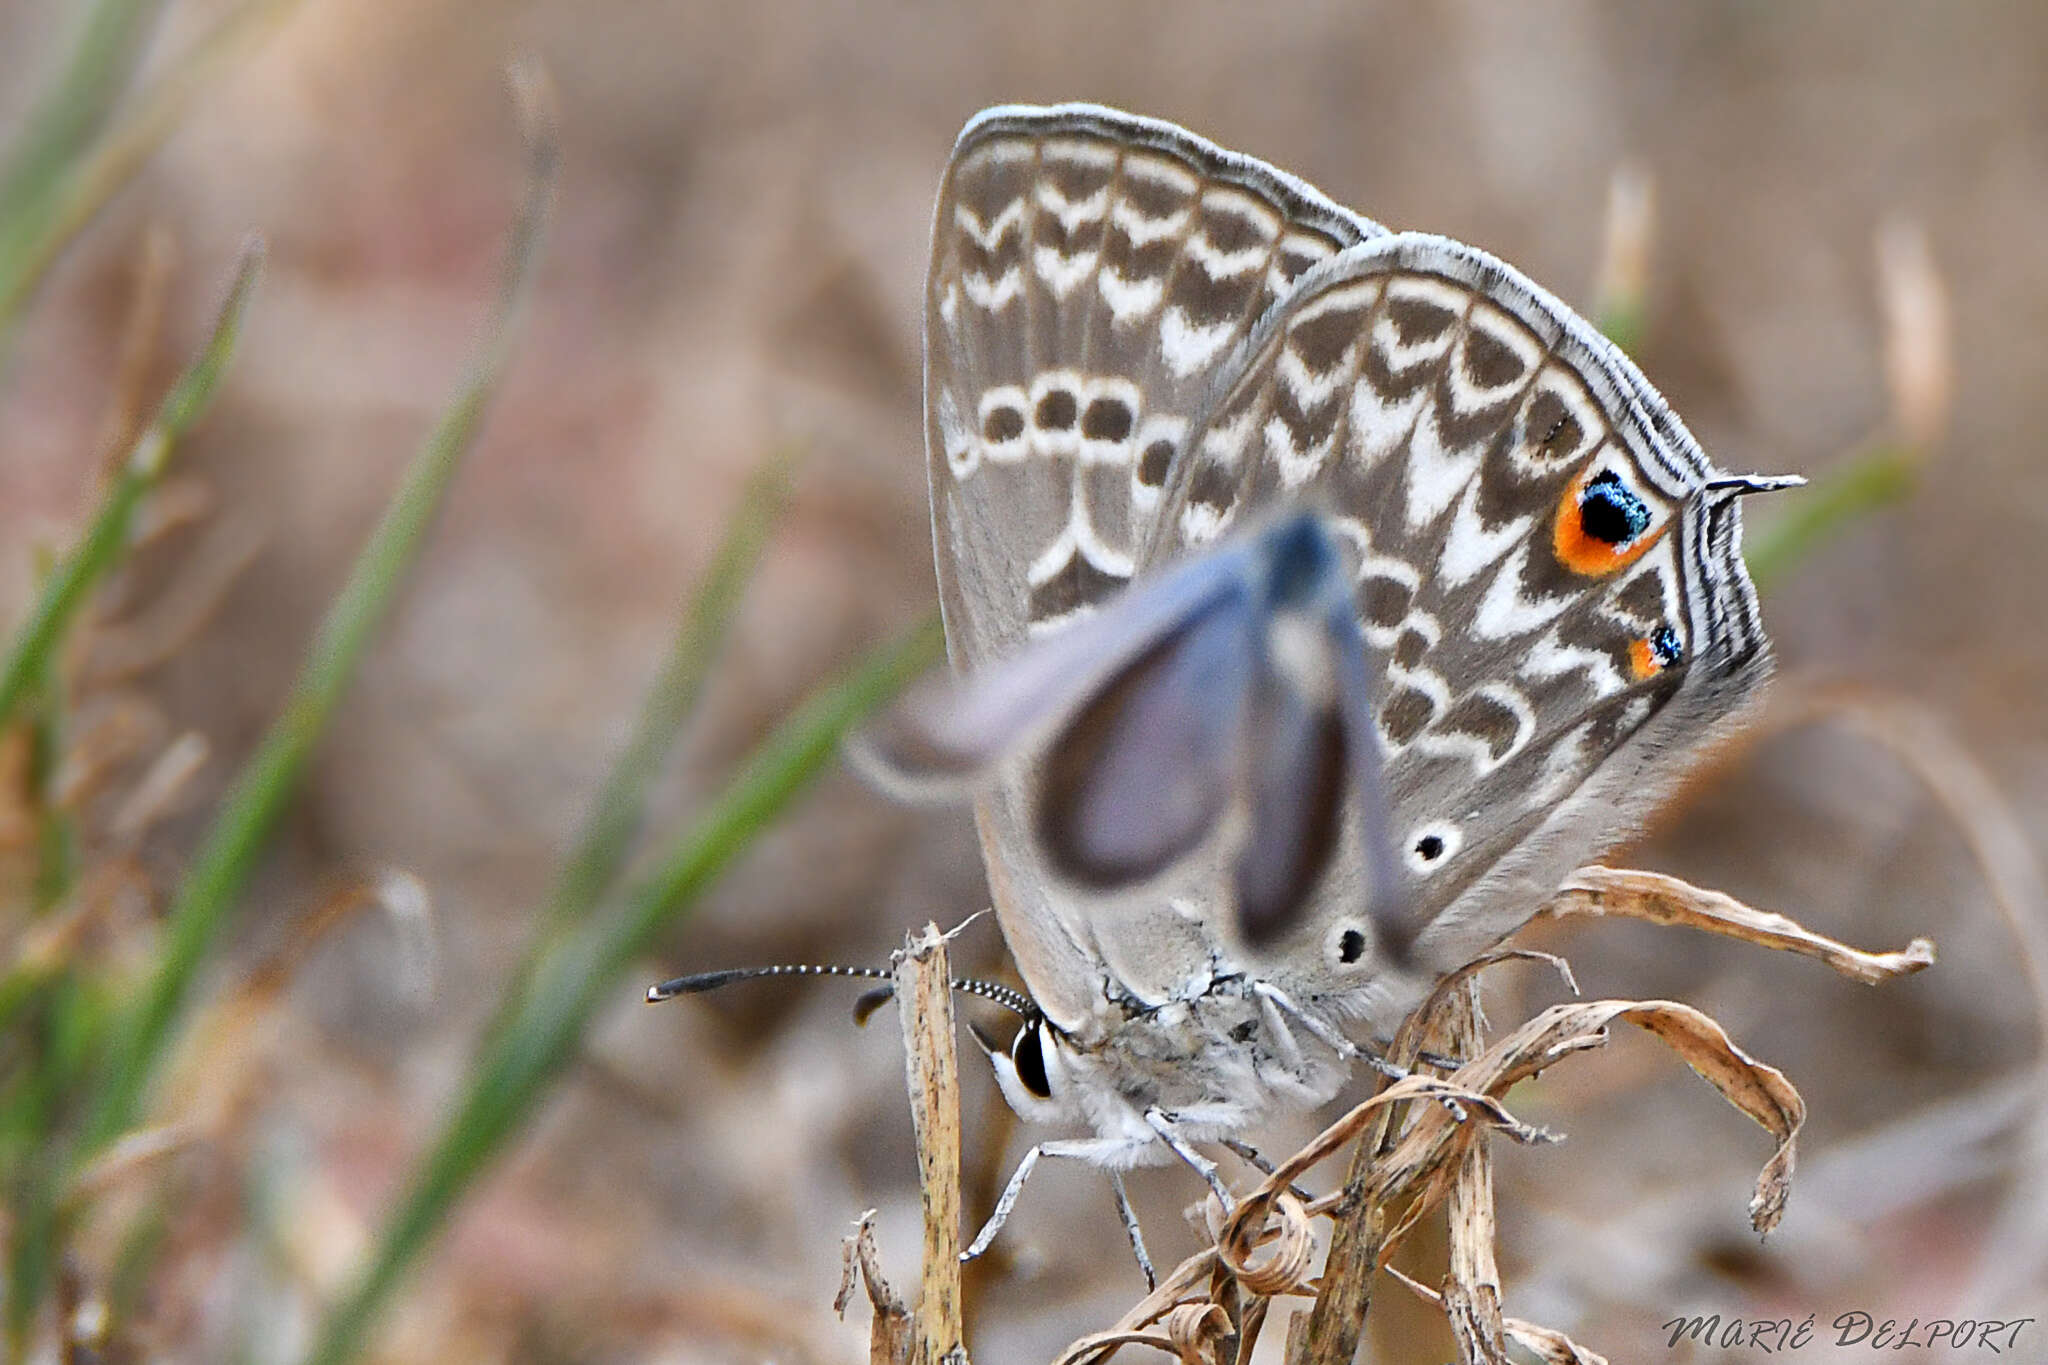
(1229, 1056)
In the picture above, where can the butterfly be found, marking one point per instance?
(1317, 598)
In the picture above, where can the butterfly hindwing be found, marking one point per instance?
(1549, 589)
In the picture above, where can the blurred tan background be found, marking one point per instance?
(736, 265)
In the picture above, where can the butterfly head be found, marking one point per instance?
(1031, 1070)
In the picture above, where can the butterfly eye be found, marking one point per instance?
(1027, 1053)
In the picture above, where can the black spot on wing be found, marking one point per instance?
(1003, 423)
(1406, 713)
(1610, 512)
(1153, 464)
(1078, 583)
(1056, 411)
(1107, 419)
(1482, 718)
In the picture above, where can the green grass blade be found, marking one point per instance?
(34, 234)
(56, 842)
(615, 817)
(548, 1025)
(1814, 515)
(68, 1021)
(68, 116)
(30, 653)
(268, 781)
(56, 845)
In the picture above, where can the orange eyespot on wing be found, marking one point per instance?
(1654, 653)
(1602, 525)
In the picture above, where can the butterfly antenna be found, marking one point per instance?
(1740, 485)
(696, 984)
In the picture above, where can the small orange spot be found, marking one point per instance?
(1642, 660)
(1583, 554)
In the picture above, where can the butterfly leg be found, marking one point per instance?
(1162, 1123)
(1263, 1166)
(1131, 1229)
(1327, 1035)
(1086, 1149)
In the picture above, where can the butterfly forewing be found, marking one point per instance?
(1092, 274)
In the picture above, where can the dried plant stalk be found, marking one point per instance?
(1422, 1141)
(1471, 1296)
(1660, 899)
(891, 1337)
(925, 1000)
(1551, 1347)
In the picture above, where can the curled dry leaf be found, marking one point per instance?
(1659, 899)
(1758, 1090)
(1198, 1331)
(1283, 1270)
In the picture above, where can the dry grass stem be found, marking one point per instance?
(2016, 1250)
(1471, 1295)
(1551, 1347)
(120, 652)
(156, 794)
(924, 998)
(892, 1336)
(141, 331)
(1421, 1142)
(1919, 343)
(135, 1153)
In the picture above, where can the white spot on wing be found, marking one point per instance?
(1226, 265)
(1144, 231)
(1504, 613)
(1378, 427)
(1201, 523)
(1296, 467)
(1129, 300)
(1550, 657)
(988, 237)
(962, 446)
(1159, 171)
(994, 295)
(1073, 213)
(1061, 273)
(1471, 545)
(1187, 347)
(1435, 471)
